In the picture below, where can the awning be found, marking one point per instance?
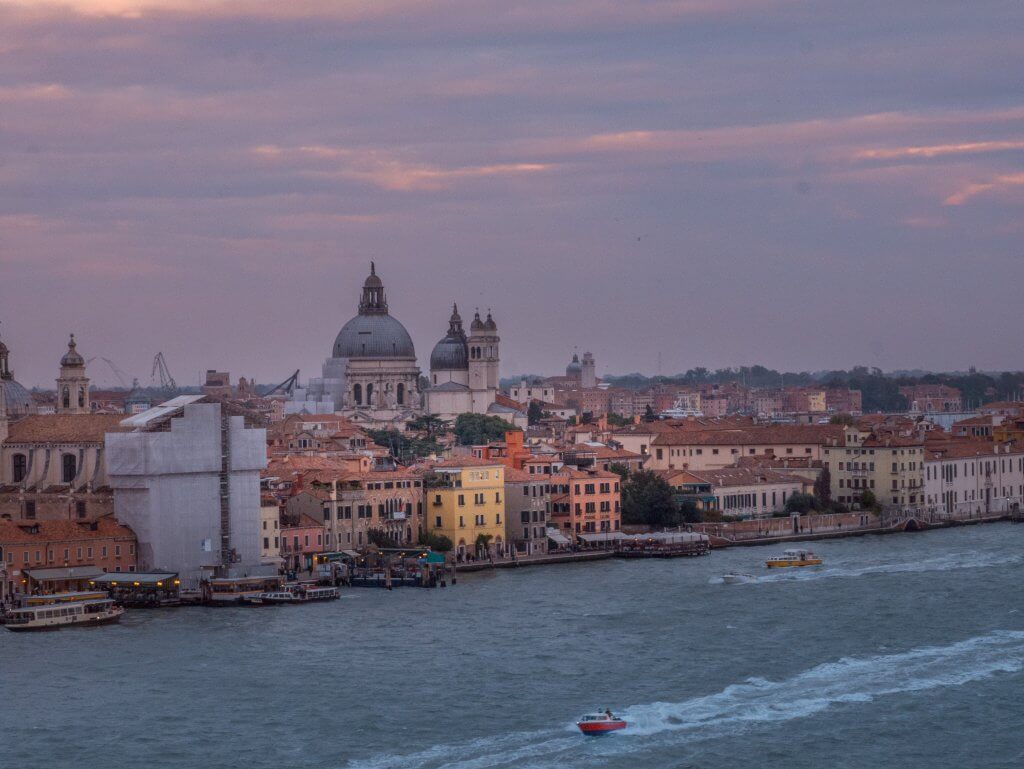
(61, 573)
(128, 577)
(558, 537)
(602, 536)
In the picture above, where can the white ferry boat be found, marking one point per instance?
(52, 616)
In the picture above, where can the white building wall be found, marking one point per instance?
(167, 489)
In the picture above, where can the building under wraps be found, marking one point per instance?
(185, 477)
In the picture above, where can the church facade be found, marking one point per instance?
(371, 376)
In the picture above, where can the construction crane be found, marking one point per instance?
(160, 367)
(287, 386)
(122, 377)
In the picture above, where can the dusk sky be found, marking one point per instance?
(721, 182)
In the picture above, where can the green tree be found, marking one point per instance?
(801, 503)
(868, 501)
(534, 413)
(430, 424)
(477, 429)
(649, 414)
(439, 543)
(841, 419)
(617, 420)
(619, 469)
(648, 499)
(380, 538)
(823, 489)
(689, 512)
(403, 447)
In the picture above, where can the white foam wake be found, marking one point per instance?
(966, 560)
(739, 706)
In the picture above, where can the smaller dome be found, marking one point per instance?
(477, 324)
(574, 366)
(489, 324)
(17, 398)
(450, 354)
(71, 358)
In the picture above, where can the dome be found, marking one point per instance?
(17, 398)
(489, 324)
(575, 366)
(71, 357)
(477, 324)
(450, 354)
(373, 336)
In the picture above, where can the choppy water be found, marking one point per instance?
(902, 651)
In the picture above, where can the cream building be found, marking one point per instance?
(974, 477)
(889, 466)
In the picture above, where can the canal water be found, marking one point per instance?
(901, 651)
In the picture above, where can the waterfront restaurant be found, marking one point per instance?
(61, 579)
(140, 589)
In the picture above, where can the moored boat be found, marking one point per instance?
(52, 616)
(279, 596)
(792, 559)
(594, 724)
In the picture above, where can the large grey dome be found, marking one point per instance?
(18, 399)
(373, 336)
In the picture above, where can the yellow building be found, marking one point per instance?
(465, 501)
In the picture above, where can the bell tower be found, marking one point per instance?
(72, 384)
(483, 354)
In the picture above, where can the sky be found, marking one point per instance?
(669, 184)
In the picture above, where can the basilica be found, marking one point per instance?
(372, 376)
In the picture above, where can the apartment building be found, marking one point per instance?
(975, 476)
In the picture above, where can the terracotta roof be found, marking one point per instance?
(512, 475)
(457, 462)
(64, 428)
(585, 474)
(965, 449)
(504, 400)
(61, 531)
(743, 476)
(752, 436)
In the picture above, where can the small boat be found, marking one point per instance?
(738, 578)
(792, 559)
(52, 616)
(594, 724)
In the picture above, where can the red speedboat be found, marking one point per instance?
(594, 724)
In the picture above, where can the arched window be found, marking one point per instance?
(68, 468)
(369, 395)
(19, 467)
(81, 397)
(435, 378)
(357, 394)
(65, 398)
(401, 394)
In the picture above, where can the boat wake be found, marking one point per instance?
(965, 560)
(755, 702)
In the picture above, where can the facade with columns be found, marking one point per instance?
(52, 466)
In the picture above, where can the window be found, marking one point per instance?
(357, 394)
(462, 500)
(68, 465)
(19, 468)
(30, 509)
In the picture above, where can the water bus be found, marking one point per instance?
(239, 591)
(793, 558)
(58, 614)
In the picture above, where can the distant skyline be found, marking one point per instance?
(800, 185)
